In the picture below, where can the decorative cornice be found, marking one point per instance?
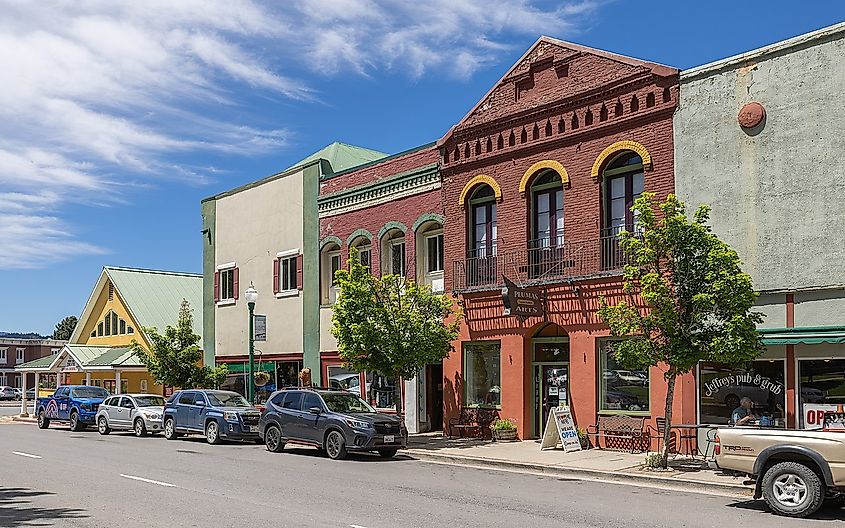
(428, 217)
(402, 185)
(615, 148)
(359, 233)
(329, 240)
(478, 180)
(391, 225)
(540, 165)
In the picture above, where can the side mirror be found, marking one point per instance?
(200, 403)
(315, 410)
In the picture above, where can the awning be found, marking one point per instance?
(237, 368)
(806, 335)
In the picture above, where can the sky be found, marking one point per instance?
(117, 118)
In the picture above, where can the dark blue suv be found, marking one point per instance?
(335, 421)
(216, 414)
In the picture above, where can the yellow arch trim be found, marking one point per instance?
(615, 148)
(540, 165)
(477, 180)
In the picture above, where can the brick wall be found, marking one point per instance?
(381, 169)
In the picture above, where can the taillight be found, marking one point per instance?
(717, 447)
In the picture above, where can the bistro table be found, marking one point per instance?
(688, 438)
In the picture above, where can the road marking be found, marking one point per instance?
(150, 481)
(356, 526)
(27, 455)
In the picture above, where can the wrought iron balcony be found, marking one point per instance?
(544, 260)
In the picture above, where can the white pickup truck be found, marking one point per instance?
(795, 471)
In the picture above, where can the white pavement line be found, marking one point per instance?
(27, 455)
(356, 526)
(150, 481)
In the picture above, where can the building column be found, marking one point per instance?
(58, 379)
(117, 381)
(24, 408)
(88, 378)
(37, 386)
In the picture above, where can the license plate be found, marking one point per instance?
(388, 439)
(252, 428)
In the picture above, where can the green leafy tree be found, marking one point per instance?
(65, 327)
(175, 358)
(694, 300)
(390, 325)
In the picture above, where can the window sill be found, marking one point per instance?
(287, 293)
(614, 412)
(226, 302)
(326, 305)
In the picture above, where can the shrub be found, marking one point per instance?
(505, 424)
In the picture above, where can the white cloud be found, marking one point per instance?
(101, 97)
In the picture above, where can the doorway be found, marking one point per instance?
(434, 396)
(551, 379)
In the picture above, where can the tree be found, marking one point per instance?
(174, 358)
(390, 325)
(694, 300)
(65, 327)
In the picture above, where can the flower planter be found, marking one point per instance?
(504, 435)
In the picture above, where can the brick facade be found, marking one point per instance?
(33, 349)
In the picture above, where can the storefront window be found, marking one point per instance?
(620, 389)
(721, 389)
(820, 382)
(341, 378)
(381, 391)
(482, 375)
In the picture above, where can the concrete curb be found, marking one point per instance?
(24, 420)
(583, 474)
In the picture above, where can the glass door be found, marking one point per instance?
(551, 382)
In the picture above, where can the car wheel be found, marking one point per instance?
(388, 453)
(792, 489)
(43, 421)
(140, 428)
(335, 445)
(75, 423)
(103, 426)
(273, 439)
(170, 429)
(212, 433)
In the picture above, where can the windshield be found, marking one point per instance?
(226, 399)
(90, 392)
(346, 403)
(149, 401)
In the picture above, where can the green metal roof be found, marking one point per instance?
(342, 156)
(91, 356)
(113, 356)
(154, 297)
(808, 335)
(37, 363)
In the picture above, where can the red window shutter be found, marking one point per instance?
(216, 286)
(299, 271)
(235, 280)
(276, 276)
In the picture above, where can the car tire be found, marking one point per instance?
(792, 489)
(170, 429)
(43, 421)
(212, 432)
(335, 445)
(103, 426)
(388, 453)
(76, 424)
(140, 428)
(273, 439)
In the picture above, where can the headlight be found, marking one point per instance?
(230, 416)
(356, 424)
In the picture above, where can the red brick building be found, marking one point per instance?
(537, 182)
(14, 352)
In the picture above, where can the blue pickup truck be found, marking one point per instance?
(72, 404)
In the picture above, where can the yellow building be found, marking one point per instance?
(124, 302)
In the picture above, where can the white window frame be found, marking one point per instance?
(368, 248)
(288, 254)
(434, 279)
(3, 357)
(328, 295)
(54, 351)
(221, 269)
(388, 257)
(20, 355)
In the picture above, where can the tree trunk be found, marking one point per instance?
(667, 433)
(397, 395)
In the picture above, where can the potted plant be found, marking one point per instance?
(583, 438)
(504, 430)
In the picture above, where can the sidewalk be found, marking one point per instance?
(594, 464)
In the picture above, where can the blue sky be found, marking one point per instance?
(122, 117)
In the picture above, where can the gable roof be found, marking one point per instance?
(151, 297)
(88, 357)
(656, 68)
(342, 156)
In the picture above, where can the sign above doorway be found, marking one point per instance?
(523, 302)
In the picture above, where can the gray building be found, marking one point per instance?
(759, 137)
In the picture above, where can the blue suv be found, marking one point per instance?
(216, 414)
(335, 421)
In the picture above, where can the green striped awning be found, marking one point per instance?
(237, 368)
(804, 335)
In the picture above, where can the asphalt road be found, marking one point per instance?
(59, 478)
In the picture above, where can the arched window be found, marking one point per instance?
(365, 250)
(393, 253)
(546, 210)
(329, 265)
(483, 234)
(430, 254)
(111, 325)
(622, 183)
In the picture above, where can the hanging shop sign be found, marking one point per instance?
(260, 328)
(560, 429)
(521, 301)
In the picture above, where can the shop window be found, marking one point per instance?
(722, 388)
(482, 375)
(820, 382)
(381, 391)
(620, 389)
(341, 378)
(287, 373)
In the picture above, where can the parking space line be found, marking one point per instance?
(149, 481)
(27, 455)
(356, 526)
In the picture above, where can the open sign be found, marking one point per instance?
(814, 416)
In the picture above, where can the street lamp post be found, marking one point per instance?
(251, 295)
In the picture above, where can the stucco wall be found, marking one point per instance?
(776, 191)
(253, 225)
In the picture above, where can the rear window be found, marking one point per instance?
(186, 398)
(292, 400)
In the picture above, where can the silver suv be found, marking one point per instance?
(141, 413)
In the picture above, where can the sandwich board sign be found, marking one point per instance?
(560, 429)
